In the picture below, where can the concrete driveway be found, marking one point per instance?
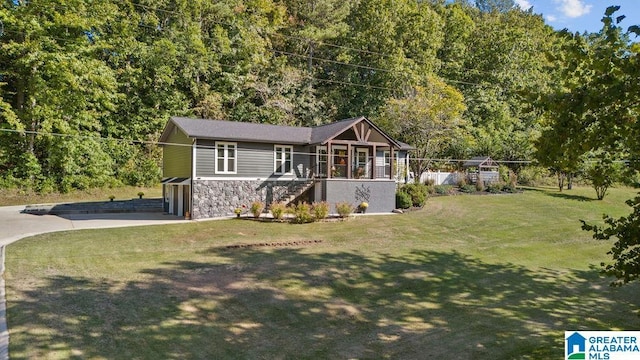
(15, 225)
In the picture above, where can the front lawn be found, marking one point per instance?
(467, 277)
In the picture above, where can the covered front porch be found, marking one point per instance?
(357, 151)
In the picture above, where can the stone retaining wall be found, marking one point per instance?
(97, 207)
(219, 198)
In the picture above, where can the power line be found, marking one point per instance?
(211, 147)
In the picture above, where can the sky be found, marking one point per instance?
(582, 15)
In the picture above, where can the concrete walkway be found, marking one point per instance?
(16, 225)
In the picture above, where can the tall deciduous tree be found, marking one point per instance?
(495, 5)
(390, 46)
(428, 119)
(616, 107)
(55, 86)
(505, 61)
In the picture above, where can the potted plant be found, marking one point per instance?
(363, 206)
(140, 195)
(238, 211)
(111, 197)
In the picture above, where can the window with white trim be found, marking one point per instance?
(226, 158)
(283, 159)
(321, 160)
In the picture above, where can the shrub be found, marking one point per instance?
(430, 182)
(513, 179)
(494, 188)
(302, 213)
(468, 188)
(509, 188)
(277, 210)
(418, 193)
(504, 173)
(480, 184)
(535, 176)
(344, 209)
(256, 208)
(443, 189)
(320, 210)
(403, 200)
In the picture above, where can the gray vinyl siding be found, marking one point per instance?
(176, 160)
(254, 160)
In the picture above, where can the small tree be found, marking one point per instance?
(602, 171)
(428, 118)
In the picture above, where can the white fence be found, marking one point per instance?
(441, 178)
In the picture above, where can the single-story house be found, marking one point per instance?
(212, 167)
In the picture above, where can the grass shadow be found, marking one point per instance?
(287, 303)
(553, 192)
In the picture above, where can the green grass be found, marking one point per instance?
(467, 277)
(9, 197)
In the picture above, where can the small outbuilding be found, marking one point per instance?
(482, 167)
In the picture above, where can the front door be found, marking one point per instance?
(361, 169)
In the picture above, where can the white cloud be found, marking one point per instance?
(573, 8)
(524, 4)
(551, 18)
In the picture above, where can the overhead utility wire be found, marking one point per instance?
(149, 142)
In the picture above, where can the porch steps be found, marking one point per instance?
(296, 191)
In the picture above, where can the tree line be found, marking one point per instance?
(86, 86)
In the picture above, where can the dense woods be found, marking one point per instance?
(87, 85)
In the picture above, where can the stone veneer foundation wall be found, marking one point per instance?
(219, 198)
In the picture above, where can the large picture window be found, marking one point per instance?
(226, 158)
(283, 159)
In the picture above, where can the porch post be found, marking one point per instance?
(391, 153)
(349, 161)
(374, 158)
(329, 160)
